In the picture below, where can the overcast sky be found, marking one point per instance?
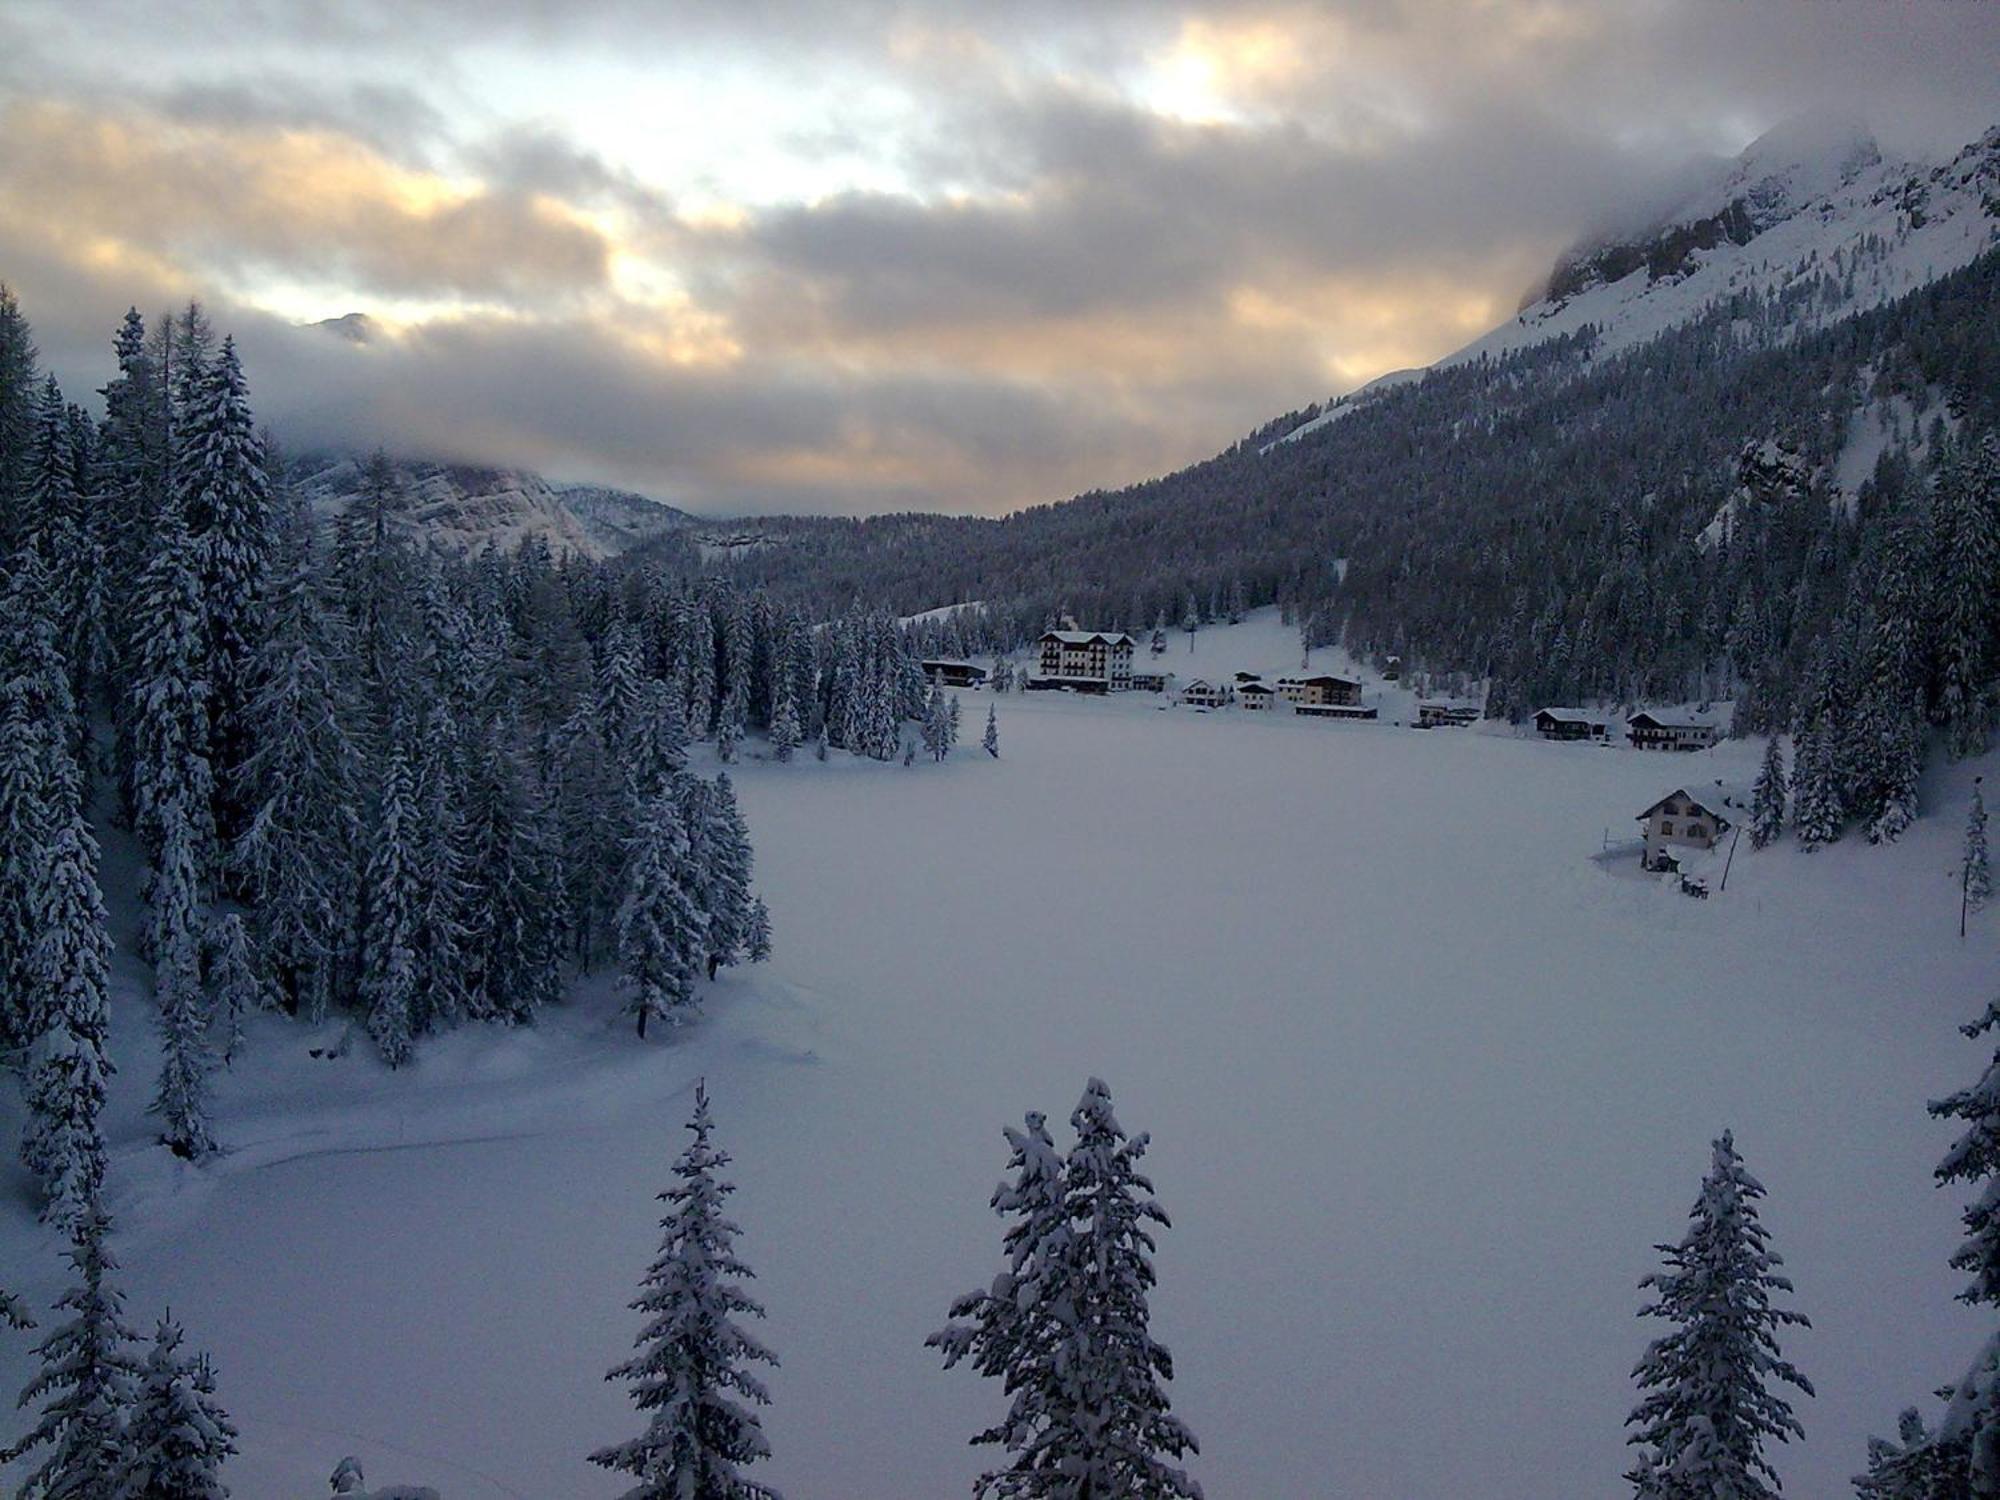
(858, 256)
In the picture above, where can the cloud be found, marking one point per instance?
(868, 254)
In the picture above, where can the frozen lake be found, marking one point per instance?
(1425, 1083)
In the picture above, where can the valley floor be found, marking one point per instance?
(1426, 1084)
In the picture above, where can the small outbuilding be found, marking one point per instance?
(1443, 715)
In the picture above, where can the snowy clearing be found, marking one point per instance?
(1425, 1083)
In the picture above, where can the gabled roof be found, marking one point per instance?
(1307, 680)
(1699, 806)
(1256, 687)
(1571, 715)
(1085, 637)
(1675, 718)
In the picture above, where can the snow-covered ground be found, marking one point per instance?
(1426, 1082)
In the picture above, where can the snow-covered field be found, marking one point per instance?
(1426, 1082)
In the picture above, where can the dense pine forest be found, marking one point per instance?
(1663, 525)
(367, 778)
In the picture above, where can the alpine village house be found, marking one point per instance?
(1678, 821)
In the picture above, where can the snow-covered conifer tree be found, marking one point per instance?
(86, 1382)
(170, 688)
(689, 1376)
(662, 932)
(1976, 875)
(1066, 1325)
(991, 739)
(1816, 806)
(178, 1436)
(1767, 798)
(786, 734)
(389, 978)
(1708, 1407)
(1965, 523)
(63, 1144)
(237, 987)
(295, 858)
(760, 931)
(225, 498)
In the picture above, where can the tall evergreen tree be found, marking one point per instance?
(295, 860)
(87, 1380)
(389, 978)
(689, 1376)
(1066, 1326)
(187, 1060)
(1767, 798)
(1708, 1407)
(178, 1437)
(1965, 520)
(67, 1069)
(1975, 874)
(662, 932)
(226, 499)
(1816, 806)
(991, 740)
(170, 689)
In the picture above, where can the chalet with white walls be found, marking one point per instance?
(1672, 729)
(1319, 689)
(1258, 696)
(1204, 694)
(1678, 823)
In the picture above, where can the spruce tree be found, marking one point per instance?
(662, 932)
(1767, 799)
(178, 1437)
(65, 1086)
(1065, 1327)
(1816, 804)
(389, 978)
(786, 735)
(991, 739)
(1965, 520)
(1975, 876)
(702, 1427)
(295, 860)
(760, 931)
(170, 688)
(237, 987)
(186, 1058)
(219, 468)
(87, 1380)
(1708, 1406)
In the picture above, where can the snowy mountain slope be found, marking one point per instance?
(1812, 209)
(1802, 203)
(466, 508)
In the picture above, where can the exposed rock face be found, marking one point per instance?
(466, 508)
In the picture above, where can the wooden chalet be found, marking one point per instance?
(954, 674)
(1571, 724)
(1672, 729)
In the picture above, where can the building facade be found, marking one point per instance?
(1320, 688)
(1088, 661)
(1671, 731)
(1677, 823)
(1571, 724)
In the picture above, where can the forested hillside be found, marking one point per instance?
(1733, 510)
